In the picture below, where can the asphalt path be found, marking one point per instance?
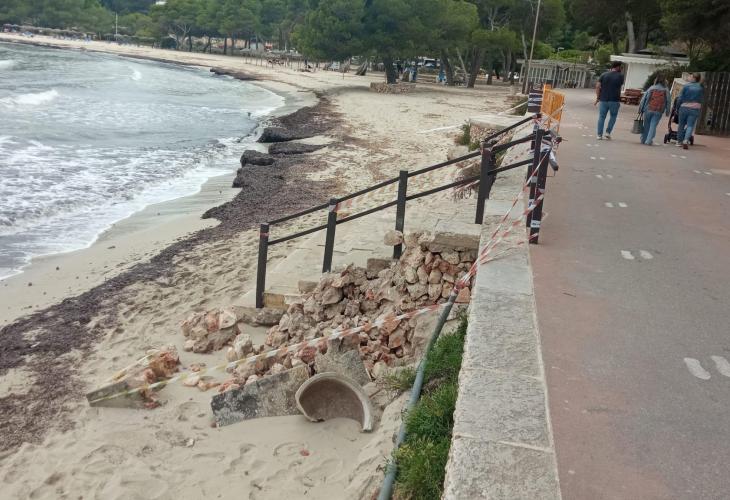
(632, 281)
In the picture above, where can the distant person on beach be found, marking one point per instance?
(654, 103)
(689, 104)
(608, 98)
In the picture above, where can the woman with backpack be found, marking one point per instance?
(689, 104)
(654, 102)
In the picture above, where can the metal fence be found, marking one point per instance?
(485, 178)
(715, 119)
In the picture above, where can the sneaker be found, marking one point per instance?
(679, 144)
(599, 137)
(608, 137)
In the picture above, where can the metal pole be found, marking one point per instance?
(329, 242)
(485, 183)
(532, 178)
(400, 211)
(537, 212)
(261, 270)
(532, 47)
(386, 491)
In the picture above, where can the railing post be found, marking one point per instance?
(485, 182)
(531, 177)
(400, 210)
(329, 242)
(537, 212)
(261, 269)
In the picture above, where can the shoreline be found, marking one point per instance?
(50, 358)
(47, 279)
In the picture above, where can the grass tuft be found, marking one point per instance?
(422, 458)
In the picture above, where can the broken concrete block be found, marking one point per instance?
(330, 395)
(348, 364)
(270, 396)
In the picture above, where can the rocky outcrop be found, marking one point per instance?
(238, 75)
(253, 157)
(281, 134)
(293, 148)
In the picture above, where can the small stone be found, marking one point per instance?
(428, 259)
(448, 277)
(252, 379)
(231, 355)
(446, 289)
(188, 345)
(444, 266)
(396, 339)
(434, 291)
(464, 296)
(242, 345)
(393, 238)
(435, 276)
(379, 369)
(245, 370)
(410, 274)
(467, 256)
(226, 319)
(277, 368)
(417, 290)
(307, 354)
(423, 274)
(191, 381)
(450, 256)
(331, 296)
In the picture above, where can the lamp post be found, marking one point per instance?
(532, 47)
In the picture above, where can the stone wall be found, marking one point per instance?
(502, 446)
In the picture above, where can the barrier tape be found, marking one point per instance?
(318, 342)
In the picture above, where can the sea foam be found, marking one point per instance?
(32, 99)
(7, 64)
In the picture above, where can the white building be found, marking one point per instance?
(638, 67)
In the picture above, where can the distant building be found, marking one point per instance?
(638, 67)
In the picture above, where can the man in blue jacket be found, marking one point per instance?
(608, 98)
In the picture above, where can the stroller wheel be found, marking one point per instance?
(692, 140)
(666, 138)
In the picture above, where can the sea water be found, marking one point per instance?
(88, 139)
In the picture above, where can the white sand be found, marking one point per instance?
(172, 452)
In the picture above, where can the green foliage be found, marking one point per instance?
(668, 73)
(422, 458)
(570, 55)
(421, 468)
(401, 380)
(602, 55)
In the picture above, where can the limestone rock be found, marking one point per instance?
(435, 276)
(422, 274)
(464, 296)
(397, 338)
(331, 296)
(434, 291)
(450, 256)
(417, 290)
(242, 345)
(393, 238)
(410, 274)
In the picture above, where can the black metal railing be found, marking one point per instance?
(486, 179)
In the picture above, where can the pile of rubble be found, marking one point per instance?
(424, 275)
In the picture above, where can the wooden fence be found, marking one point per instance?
(715, 119)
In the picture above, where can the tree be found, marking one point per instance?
(703, 26)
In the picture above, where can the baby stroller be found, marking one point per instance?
(671, 135)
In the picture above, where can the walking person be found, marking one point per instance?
(608, 98)
(689, 104)
(654, 103)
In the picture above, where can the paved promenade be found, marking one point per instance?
(632, 281)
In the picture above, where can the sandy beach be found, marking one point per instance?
(89, 313)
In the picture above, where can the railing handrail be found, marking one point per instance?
(412, 173)
(486, 177)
